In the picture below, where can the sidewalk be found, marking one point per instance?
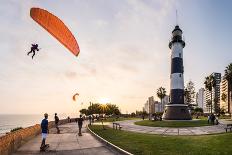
(67, 143)
(203, 130)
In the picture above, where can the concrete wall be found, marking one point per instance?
(12, 141)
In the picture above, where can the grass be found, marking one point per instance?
(147, 144)
(112, 119)
(173, 124)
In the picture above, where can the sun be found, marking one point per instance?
(104, 100)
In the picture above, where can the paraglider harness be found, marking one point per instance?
(34, 47)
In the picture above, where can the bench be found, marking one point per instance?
(117, 126)
(228, 126)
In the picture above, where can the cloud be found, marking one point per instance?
(70, 74)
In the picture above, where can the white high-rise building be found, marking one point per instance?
(215, 95)
(225, 102)
(149, 106)
(200, 98)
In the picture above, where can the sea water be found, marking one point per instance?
(8, 122)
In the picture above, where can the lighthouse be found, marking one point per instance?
(176, 109)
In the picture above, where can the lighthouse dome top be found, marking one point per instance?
(177, 28)
(176, 37)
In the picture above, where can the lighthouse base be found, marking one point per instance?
(176, 112)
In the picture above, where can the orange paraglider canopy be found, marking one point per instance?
(55, 27)
(74, 96)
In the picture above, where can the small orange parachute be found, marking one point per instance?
(56, 28)
(74, 96)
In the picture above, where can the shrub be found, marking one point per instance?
(15, 129)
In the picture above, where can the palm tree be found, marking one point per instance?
(228, 76)
(223, 97)
(161, 93)
(210, 83)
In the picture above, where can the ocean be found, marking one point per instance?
(8, 122)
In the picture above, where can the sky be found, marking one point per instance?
(124, 56)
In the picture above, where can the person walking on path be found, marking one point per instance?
(213, 118)
(57, 123)
(90, 119)
(216, 120)
(209, 119)
(80, 123)
(44, 130)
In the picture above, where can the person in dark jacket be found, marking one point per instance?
(34, 47)
(57, 123)
(90, 119)
(44, 130)
(80, 123)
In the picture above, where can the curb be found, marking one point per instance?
(108, 143)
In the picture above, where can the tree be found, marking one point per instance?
(84, 111)
(210, 83)
(94, 108)
(161, 93)
(112, 109)
(221, 111)
(189, 94)
(198, 110)
(223, 97)
(217, 108)
(228, 76)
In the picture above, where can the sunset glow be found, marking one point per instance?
(104, 100)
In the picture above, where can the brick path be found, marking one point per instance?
(203, 130)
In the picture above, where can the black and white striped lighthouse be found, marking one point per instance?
(176, 109)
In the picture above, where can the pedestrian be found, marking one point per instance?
(213, 119)
(90, 119)
(80, 123)
(216, 120)
(143, 117)
(57, 123)
(45, 131)
(208, 119)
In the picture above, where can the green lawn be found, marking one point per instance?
(173, 124)
(147, 144)
(111, 119)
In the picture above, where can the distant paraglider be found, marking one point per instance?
(56, 28)
(75, 96)
(34, 47)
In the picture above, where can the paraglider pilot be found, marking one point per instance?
(33, 48)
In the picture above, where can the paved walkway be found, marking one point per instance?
(130, 126)
(67, 143)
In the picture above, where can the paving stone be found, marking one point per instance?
(130, 126)
(67, 143)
